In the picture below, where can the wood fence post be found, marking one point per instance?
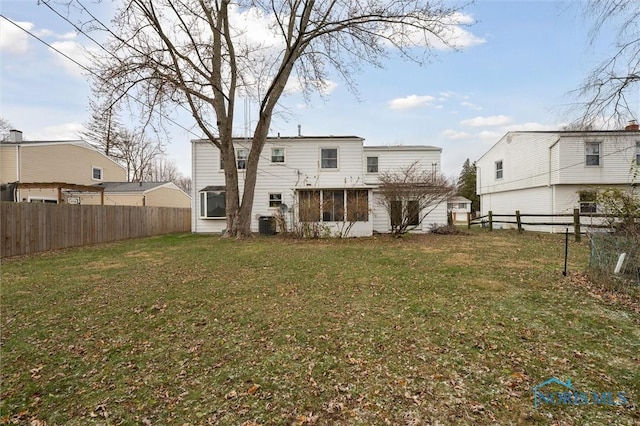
(519, 221)
(490, 221)
(468, 220)
(576, 224)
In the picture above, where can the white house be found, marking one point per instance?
(459, 207)
(555, 172)
(337, 172)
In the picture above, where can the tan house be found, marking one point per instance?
(74, 172)
(160, 194)
(45, 171)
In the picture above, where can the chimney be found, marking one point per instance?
(15, 136)
(632, 126)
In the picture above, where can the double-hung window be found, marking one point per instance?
(212, 202)
(242, 154)
(275, 199)
(329, 158)
(372, 164)
(277, 155)
(592, 152)
(499, 169)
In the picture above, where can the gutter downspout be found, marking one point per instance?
(550, 185)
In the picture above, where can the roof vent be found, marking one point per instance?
(632, 126)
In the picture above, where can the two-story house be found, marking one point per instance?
(74, 171)
(326, 179)
(41, 167)
(546, 172)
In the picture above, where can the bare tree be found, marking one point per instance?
(410, 193)
(165, 170)
(610, 92)
(5, 129)
(202, 55)
(138, 153)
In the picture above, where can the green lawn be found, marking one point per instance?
(194, 330)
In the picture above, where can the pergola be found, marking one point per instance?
(60, 186)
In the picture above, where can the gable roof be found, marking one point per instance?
(110, 187)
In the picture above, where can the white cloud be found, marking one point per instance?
(73, 50)
(471, 105)
(63, 131)
(490, 121)
(13, 39)
(455, 135)
(411, 101)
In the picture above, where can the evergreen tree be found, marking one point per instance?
(467, 184)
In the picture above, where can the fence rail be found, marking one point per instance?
(576, 224)
(35, 227)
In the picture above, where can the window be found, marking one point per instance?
(275, 200)
(212, 202)
(396, 213)
(413, 213)
(499, 169)
(588, 201)
(96, 173)
(221, 161)
(309, 206)
(329, 158)
(462, 205)
(241, 156)
(357, 205)
(372, 164)
(332, 206)
(592, 153)
(277, 155)
(637, 153)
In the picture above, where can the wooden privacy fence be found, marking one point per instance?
(571, 220)
(34, 227)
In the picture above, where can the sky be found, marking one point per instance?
(515, 68)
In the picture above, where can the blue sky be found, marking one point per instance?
(517, 65)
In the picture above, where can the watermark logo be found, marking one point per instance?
(543, 395)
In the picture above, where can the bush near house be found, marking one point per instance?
(189, 329)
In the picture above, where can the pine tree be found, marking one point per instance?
(467, 184)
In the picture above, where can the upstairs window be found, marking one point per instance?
(329, 158)
(372, 164)
(242, 155)
(277, 155)
(499, 169)
(96, 173)
(592, 153)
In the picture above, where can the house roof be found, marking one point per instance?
(403, 147)
(129, 186)
(67, 141)
(290, 138)
(458, 199)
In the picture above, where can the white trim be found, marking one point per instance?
(337, 168)
(101, 178)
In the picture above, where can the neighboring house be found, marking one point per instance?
(47, 170)
(459, 207)
(555, 172)
(160, 194)
(337, 173)
(75, 172)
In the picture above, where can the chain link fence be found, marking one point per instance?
(606, 251)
